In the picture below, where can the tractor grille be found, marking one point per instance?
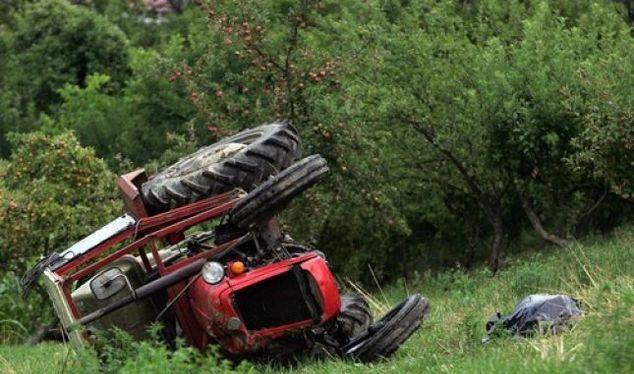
(278, 301)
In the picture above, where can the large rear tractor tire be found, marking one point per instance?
(242, 161)
(273, 195)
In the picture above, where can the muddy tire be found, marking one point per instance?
(242, 161)
(273, 195)
(384, 337)
(353, 319)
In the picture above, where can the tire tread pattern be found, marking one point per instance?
(274, 194)
(269, 149)
(354, 317)
(394, 329)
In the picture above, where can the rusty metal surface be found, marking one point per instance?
(129, 185)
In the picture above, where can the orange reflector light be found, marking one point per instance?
(237, 267)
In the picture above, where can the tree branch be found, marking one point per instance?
(429, 135)
(536, 222)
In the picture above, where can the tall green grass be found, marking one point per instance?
(599, 272)
(17, 314)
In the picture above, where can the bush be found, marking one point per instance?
(53, 193)
(121, 354)
(18, 315)
(485, 107)
(133, 126)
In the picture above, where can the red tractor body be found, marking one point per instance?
(245, 312)
(242, 313)
(210, 263)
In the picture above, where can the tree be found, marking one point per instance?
(604, 147)
(56, 43)
(485, 115)
(450, 127)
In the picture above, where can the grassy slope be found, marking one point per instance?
(601, 274)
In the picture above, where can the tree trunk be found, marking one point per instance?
(489, 201)
(536, 222)
(496, 244)
(473, 239)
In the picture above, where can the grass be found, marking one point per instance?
(40, 359)
(600, 273)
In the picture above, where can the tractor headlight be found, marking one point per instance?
(213, 272)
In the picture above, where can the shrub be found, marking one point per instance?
(18, 315)
(54, 192)
(490, 113)
(121, 354)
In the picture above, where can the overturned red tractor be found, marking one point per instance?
(199, 249)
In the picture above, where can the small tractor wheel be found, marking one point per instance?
(242, 161)
(273, 195)
(353, 319)
(384, 337)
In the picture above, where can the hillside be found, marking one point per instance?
(599, 272)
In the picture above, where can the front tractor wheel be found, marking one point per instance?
(276, 193)
(384, 337)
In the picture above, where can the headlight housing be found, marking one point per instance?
(213, 272)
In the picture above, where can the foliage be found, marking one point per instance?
(604, 106)
(121, 354)
(132, 126)
(451, 128)
(486, 117)
(96, 117)
(18, 315)
(54, 191)
(142, 24)
(55, 43)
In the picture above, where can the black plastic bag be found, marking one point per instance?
(534, 312)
